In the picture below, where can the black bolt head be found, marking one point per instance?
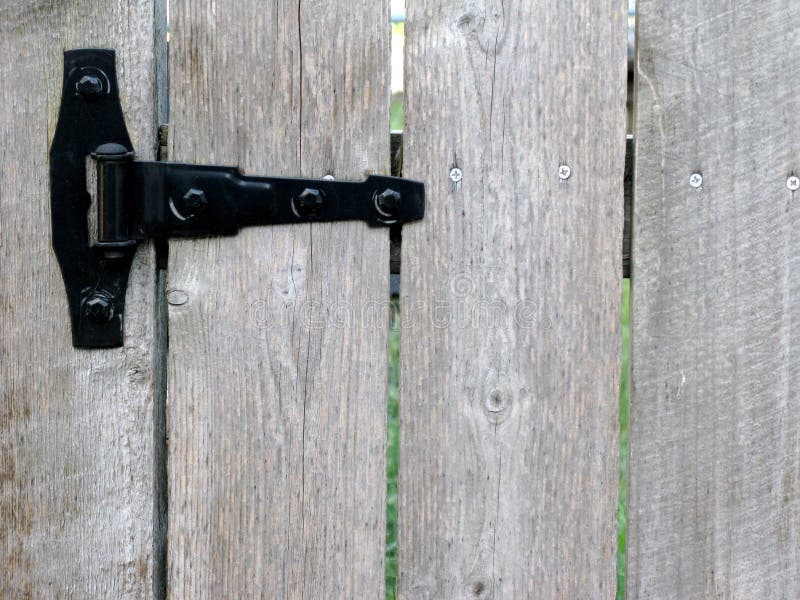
(309, 202)
(194, 201)
(388, 202)
(90, 85)
(99, 308)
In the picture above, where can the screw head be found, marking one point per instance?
(696, 180)
(456, 175)
(89, 85)
(194, 201)
(99, 308)
(793, 183)
(388, 202)
(328, 177)
(308, 203)
(564, 172)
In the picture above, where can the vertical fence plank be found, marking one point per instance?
(76, 439)
(277, 359)
(510, 298)
(715, 412)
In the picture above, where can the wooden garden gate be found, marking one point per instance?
(235, 447)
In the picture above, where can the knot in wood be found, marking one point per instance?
(177, 297)
(497, 404)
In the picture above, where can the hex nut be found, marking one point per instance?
(388, 202)
(308, 203)
(99, 308)
(90, 85)
(194, 201)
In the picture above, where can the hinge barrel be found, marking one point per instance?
(114, 206)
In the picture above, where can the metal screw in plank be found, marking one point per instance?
(696, 180)
(793, 183)
(564, 172)
(456, 175)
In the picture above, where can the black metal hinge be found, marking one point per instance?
(139, 200)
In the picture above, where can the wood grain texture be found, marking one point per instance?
(277, 357)
(510, 297)
(715, 414)
(76, 461)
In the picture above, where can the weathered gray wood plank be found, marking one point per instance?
(715, 412)
(277, 365)
(510, 297)
(76, 439)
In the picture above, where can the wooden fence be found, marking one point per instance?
(235, 447)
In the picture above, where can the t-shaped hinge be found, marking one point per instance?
(139, 200)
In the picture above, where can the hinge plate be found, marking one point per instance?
(95, 283)
(140, 200)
